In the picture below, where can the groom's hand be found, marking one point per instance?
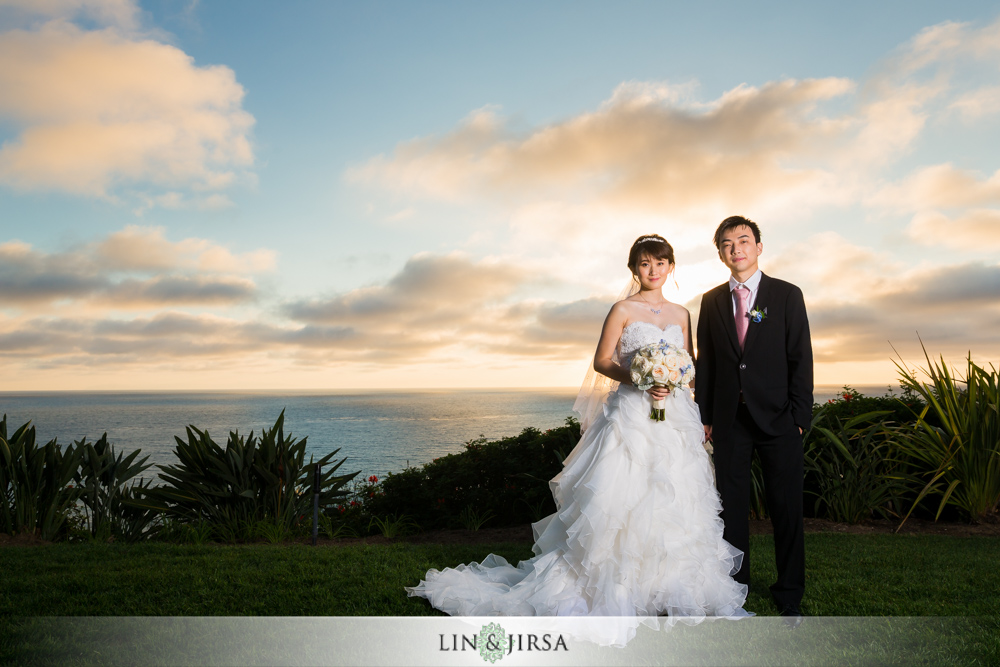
(708, 432)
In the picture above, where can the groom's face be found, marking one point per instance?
(739, 251)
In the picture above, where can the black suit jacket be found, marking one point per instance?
(774, 370)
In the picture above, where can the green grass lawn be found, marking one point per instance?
(847, 575)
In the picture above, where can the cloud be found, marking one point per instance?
(780, 149)
(434, 302)
(973, 230)
(179, 290)
(428, 287)
(87, 341)
(946, 43)
(28, 276)
(121, 13)
(444, 310)
(940, 186)
(99, 109)
(978, 103)
(146, 249)
(134, 268)
(832, 269)
(862, 302)
(953, 309)
(559, 329)
(451, 312)
(437, 306)
(924, 78)
(643, 148)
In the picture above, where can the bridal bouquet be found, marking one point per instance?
(661, 364)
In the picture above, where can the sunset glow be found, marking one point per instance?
(379, 195)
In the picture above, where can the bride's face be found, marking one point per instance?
(652, 271)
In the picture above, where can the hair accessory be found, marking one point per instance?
(650, 238)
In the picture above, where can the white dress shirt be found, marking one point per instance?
(752, 284)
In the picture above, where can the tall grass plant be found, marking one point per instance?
(954, 447)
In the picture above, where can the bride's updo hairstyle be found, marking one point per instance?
(652, 245)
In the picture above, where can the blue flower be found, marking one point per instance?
(757, 315)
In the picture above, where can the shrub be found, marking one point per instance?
(900, 408)
(505, 480)
(853, 476)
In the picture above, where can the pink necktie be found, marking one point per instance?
(742, 319)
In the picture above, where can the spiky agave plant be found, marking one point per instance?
(35, 489)
(249, 481)
(108, 487)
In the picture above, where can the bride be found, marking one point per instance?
(637, 530)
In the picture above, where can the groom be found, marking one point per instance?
(754, 387)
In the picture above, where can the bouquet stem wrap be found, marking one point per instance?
(664, 365)
(659, 412)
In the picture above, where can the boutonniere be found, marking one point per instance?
(757, 315)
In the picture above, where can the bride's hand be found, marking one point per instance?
(658, 392)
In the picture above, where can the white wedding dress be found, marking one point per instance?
(636, 532)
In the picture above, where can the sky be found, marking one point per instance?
(260, 195)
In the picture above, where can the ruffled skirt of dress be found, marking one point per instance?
(636, 532)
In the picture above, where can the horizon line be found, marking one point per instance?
(374, 390)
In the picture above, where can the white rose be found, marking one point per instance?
(672, 362)
(645, 365)
(659, 374)
(674, 376)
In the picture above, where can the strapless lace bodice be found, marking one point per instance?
(638, 335)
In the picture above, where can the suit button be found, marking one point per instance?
(743, 367)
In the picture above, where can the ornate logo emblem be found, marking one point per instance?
(492, 642)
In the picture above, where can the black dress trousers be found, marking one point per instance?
(782, 464)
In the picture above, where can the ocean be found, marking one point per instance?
(377, 431)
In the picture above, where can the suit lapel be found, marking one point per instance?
(759, 303)
(724, 303)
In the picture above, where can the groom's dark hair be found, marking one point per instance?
(736, 221)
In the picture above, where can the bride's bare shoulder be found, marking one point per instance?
(621, 313)
(679, 311)
(626, 308)
(629, 302)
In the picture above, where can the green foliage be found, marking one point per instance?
(273, 532)
(35, 490)
(103, 479)
(394, 526)
(177, 532)
(900, 408)
(506, 478)
(333, 528)
(852, 473)
(250, 481)
(955, 444)
(473, 520)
